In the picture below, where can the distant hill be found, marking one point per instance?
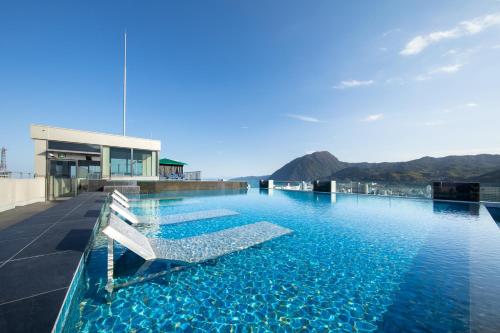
(324, 165)
(317, 165)
(253, 181)
(490, 177)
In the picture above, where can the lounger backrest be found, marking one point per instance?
(118, 199)
(129, 237)
(118, 193)
(125, 213)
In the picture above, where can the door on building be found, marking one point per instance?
(62, 179)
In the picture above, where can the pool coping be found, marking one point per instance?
(75, 280)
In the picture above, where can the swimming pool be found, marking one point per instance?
(353, 263)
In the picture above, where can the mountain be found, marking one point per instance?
(317, 165)
(323, 165)
(490, 177)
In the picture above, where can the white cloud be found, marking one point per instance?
(464, 28)
(496, 47)
(373, 117)
(244, 127)
(389, 32)
(303, 118)
(461, 107)
(447, 69)
(353, 84)
(395, 80)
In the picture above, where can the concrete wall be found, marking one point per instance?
(21, 192)
(169, 185)
(105, 165)
(40, 167)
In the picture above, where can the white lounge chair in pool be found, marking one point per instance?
(119, 200)
(121, 208)
(124, 212)
(192, 249)
(192, 216)
(123, 197)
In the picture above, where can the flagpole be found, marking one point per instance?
(125, 87)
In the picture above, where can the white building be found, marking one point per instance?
(64, 157)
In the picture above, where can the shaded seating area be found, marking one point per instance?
(171, 169)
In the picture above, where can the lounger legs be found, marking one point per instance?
(111, 247)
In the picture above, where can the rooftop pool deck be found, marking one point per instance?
(40, 251)
(353, 263)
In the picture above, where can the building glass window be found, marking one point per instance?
(63, 169)
(89, 169)
(143, 165)
(77, 147)
(120, 161)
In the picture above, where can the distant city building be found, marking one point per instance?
(490, 193)
(4, 172)
(3, 160)
(192, 175)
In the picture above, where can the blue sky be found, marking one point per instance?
(241, 87)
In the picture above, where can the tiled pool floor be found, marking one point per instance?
(353, 263)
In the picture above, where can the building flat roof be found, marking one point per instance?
(167, 161)
(44, 132)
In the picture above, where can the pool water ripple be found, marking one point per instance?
(352, 265)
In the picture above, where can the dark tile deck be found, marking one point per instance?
(13, 216)
(38, 258)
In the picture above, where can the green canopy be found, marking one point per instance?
(166, 161)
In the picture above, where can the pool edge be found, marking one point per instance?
(68, 298)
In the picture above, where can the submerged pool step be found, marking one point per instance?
(154, 204)
(193, 249)
(194, 216)
(213, 245)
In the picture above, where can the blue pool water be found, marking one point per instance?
(353, 264)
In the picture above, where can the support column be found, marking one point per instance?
(105, 162)
(111, 262)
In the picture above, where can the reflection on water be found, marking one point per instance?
(464, 208)
(495, 213)
(184, 194)
(265, 191)
(354, 263)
